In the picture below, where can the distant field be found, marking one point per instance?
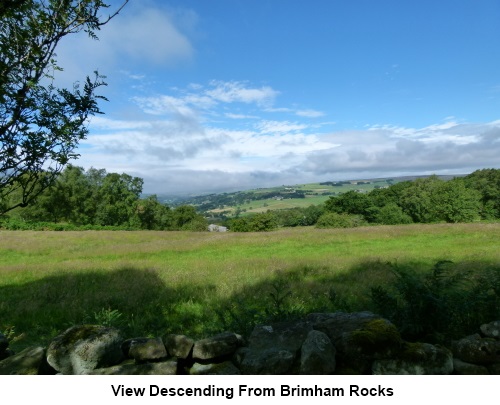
(201, 282)
(314, 196)
(271, 204)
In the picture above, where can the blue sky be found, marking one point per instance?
(219, 95)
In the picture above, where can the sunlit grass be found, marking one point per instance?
(199, 282)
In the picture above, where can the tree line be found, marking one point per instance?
(95, 198)
(427, 200)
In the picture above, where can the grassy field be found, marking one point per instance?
(271, 204)
(198, 283)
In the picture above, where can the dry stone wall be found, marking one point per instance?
(322, 343)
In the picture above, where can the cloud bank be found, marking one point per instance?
(232, 135)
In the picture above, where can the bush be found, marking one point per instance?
(334, 220)
(392, 214)
(254, 223)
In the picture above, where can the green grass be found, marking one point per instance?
(199, 283)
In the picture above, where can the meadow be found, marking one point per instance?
(196, 283)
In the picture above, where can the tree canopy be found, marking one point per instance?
(41, 124)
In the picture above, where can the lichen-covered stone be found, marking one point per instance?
(149, 350)
(178, 345)
(168, 367)
(337, 323)
(272, 361)
(282, 335)
(462, 368)
(416, 359)
(216, 346)
(127, 344)
(477, 350)
(491, 329)
(83, 348)
(317, 354)
(30, 361)
(361, 338)
(224, 368)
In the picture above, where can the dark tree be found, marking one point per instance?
(41, 124)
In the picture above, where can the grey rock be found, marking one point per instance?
(149, 350)
(216, 346)
(271, 361)
(317, 354)
(163, 368)
(477, 350)
(491, 329)
(417, 359)
(359, 338)
(127, 344)
(224, 368)
(337, 323)
(83, 348)
(283, 335)
(30, 361)
(462, 368)
(272, 349)
(178, 345)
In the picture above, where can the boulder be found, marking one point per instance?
(462, 368)
(416, 359)
(272, 349)
(271, 361)
(162, 368)
(283, 335)
(491, 329)
(149, 350)
(127, 344)
(317, 354)
(359, 338)
(336, 323)
(477, 350)
(216, 346)
(83, 348)
(30, 361)
(224, 368)
(178, 345)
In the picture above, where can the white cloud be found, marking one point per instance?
(229, 92)
(309, 113)
(137, 37)
(202, 138)
(240, 116)
(386, 150)
(279, 127)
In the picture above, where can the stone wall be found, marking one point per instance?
(322, 343)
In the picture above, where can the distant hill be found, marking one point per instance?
(282, 197)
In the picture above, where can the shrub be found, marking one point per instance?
(334, 220)
(392, 214)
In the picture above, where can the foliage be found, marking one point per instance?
(97, 199)
(40, 124)
(391, 214)
(351, 202)
(254, 223)
(487, 183)
(335, 220)
(439, 305)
